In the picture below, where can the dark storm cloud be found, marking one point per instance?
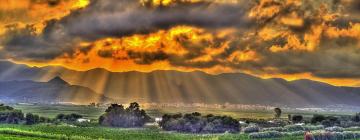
(109, 18)
(333, 57)
(117, 18)
(24, 44)
(148, 57)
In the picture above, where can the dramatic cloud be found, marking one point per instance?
(261, 37)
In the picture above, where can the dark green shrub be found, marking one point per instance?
(251, 129)
(68, 117)
(265, 135)
(195, 123)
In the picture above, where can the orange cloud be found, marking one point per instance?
(289, 39)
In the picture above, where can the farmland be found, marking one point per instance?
(94, 112)
(95, 131)
(43, 131)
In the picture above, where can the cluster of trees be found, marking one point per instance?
(31, 119)
(10, 115)
(195, 123)
(327, 121)
(118, 116)
(68, 117)
(356, 117)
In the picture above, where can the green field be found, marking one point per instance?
(52, 110)
(52, 131)
(44, 131)
(94, 112)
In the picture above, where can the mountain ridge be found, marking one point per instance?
(190, 87)
(47, 92)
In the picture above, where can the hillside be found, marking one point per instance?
(56, 90)
(188, 87)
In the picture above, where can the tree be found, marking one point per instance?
(32, 119)
(117, 116)
(115, 107)
(13, 117)
(296, 118)
(60, 117)
(44, 120)
(317, 119)
(277, 112)
(356, 117)
(10, 115)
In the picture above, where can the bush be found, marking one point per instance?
(265, 135)
(195, 123)
(348, 123)
(296, 133)
(117, 116)
(68, 117)
(313, 127)
(330, 121)
(292, 128)
(279, 129)
(334, 129)
(265, 123)
(86, 124)
(251, 129)
(45, 120)
(335, 135)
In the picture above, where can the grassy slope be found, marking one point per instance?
(14, 137)
(66, 132)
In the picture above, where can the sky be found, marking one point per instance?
(291, 39)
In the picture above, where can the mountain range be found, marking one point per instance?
(18, 83)
(54, 91)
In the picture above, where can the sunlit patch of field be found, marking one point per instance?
(52, 110)
(236, 113)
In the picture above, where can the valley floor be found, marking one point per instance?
(44, 132)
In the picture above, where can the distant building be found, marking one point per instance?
(82, 120)
(158, 119)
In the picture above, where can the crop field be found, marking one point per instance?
(43, 132)
(94, 112)
(47, 131)
(52, 110)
